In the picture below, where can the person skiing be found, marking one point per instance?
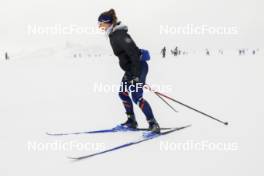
(134, 66)
(163, 51)
(207, 52)
(175, 52)
(6, 56)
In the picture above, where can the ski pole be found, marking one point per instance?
(187, 106)
(148, 87)
(166, 102)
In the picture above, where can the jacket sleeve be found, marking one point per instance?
(130, 48)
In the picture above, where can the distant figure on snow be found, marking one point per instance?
(241, 52)
(6, 56)
(175, 52)
(163, 51)
(207, 52)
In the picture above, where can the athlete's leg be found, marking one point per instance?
(137, 94)
(124, 96)
(128, 105)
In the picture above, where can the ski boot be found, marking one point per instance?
(131, 122)
(154, 126)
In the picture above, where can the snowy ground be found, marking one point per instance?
(54, 93)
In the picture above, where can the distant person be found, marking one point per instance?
(207, 52)
(242, 52)
(163, 51)
(175, 52)
(254, 52)
(6, 56)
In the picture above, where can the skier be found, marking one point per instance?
(163, 52)
(135, 68)
(6, 56)
(175, 52)
(207, 52)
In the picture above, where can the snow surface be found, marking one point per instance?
(54, 93)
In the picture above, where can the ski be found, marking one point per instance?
(118, 128)
(144, 139)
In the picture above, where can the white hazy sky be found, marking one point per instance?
(142, 17)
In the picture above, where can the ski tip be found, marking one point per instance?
(175, 128)
(52, 134)
(73, 159)
(188, 125)
(76, 159)
(226, 123)
(183, 127)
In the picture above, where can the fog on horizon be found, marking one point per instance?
(144, 19)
